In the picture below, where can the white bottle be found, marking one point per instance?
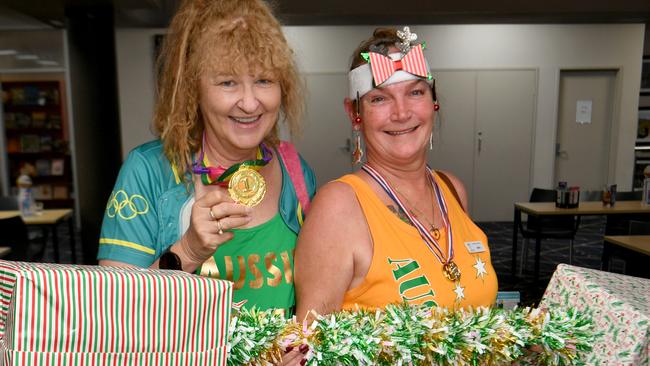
(25, 195)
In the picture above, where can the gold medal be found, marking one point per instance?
(451, 271)
(247, 186)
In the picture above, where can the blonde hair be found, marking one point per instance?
(232, 36)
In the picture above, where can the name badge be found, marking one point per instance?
(474, 246)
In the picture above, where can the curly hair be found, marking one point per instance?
(230, 36)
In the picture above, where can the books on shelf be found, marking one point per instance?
(22, 120)
(54, 121)
(46, 143)
(38, 119)
(43, 167)
(43, 192)
(58, 167)
(60, 192)
(13, 144)
(30, 143)
(35, 137)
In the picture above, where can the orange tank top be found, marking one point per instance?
(404, 269)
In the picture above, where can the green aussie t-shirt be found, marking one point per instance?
(259, 261)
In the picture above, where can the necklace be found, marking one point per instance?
(449, 267)
(435, 231)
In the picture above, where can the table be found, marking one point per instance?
(49, 219)
(630, 246)
(548, 209)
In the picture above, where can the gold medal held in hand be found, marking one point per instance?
(247, 186)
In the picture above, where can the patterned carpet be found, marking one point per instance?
(588, 251)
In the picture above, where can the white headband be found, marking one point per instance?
(360, 78)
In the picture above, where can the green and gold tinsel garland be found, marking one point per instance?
(416, 335)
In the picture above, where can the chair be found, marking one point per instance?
(620, 224)
(634, 264)
(639, 227)
(13, 234)
(561, 227)
(629, 196)
(8, 203)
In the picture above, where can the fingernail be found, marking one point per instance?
(303, 362)
(303, 348)
(288, 349)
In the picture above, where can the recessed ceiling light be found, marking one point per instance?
(8, 52)
(26, 56)
(47, 63)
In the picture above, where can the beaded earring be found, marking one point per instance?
(356, 135)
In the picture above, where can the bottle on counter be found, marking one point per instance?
(25, 195)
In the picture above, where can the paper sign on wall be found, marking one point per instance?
(583, 111)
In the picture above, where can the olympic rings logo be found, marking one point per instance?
(125, 206)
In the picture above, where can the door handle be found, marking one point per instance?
(560, 153)
(347, 147)
(480, 142)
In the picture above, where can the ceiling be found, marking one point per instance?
(157, 13)
(41, 18)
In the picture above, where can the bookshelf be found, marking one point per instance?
(37, 140)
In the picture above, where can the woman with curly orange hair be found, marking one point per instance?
(218, 193)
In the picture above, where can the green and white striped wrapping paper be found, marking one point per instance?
(104, 316)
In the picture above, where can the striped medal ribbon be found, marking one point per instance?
(449, 268)
(220, 175)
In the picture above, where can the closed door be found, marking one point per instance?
(326, 140)
(584, 128)
(505, 111)
(453, 136)
(484, 136)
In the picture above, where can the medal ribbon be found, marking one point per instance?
(220, 175)
(428, 239)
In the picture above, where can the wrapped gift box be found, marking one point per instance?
(61, 314)
(620, 306)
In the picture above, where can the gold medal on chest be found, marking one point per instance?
(247, 186)
(451, 271)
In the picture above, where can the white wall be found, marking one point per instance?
(135, 78)
(548, 48)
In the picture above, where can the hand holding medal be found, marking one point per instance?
(214, 211)
(213, 214)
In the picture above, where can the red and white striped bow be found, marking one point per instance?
(383, 66)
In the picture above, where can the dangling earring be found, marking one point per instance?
(431, 141)
(436, 106)
(356, 135)
(358, 152)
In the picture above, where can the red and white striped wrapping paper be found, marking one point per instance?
(77, 315)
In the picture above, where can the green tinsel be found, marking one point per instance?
(252, 334)
(417, 335)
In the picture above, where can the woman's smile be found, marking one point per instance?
(402, 132)
(246, 121)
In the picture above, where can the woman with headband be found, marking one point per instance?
(217, 194)
(394, 231)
